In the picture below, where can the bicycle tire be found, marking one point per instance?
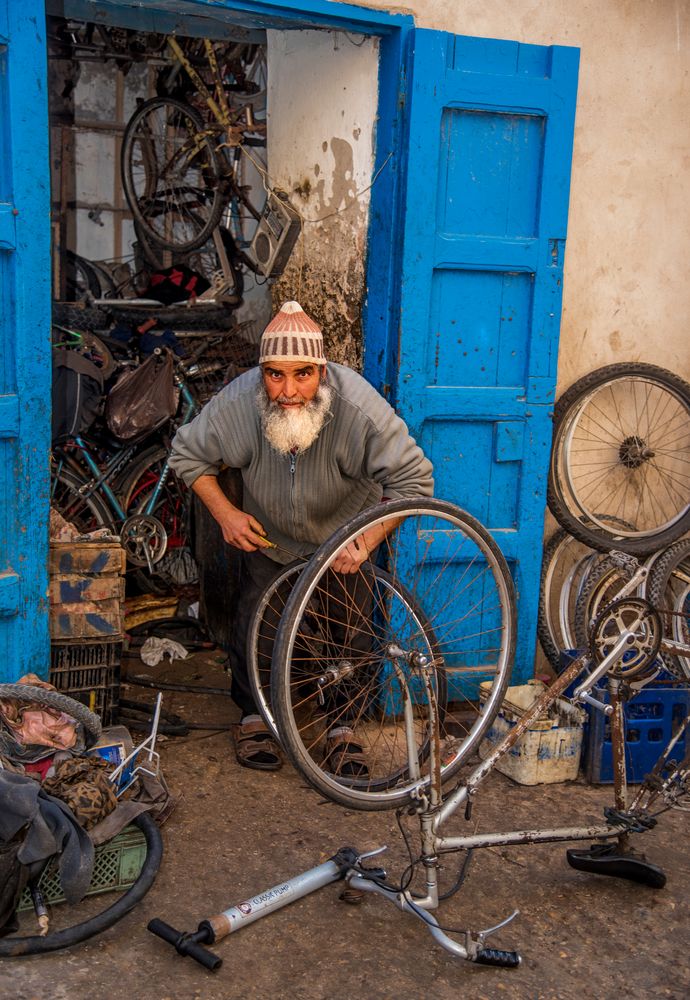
(14, 947)
(600, 588)
(565, 564)
(618, 451)
(81, 278)
(445, 556)
(177, 203)
(179, 318)
(668, 590)
(264, 627)
(55, 699)
(85, 511)
(76, 317)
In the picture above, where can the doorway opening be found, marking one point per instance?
(198, 179)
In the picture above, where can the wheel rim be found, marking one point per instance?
(441, 602)
(261, 640)
(173, 177)
(625, 453)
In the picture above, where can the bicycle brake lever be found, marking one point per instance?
(377, 873)
(372, 854)
(482, 935)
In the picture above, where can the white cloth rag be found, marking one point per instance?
(155, 648)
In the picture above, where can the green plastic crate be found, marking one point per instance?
(116, 867)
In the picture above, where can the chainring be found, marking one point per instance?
(628, 614)
(144, 539)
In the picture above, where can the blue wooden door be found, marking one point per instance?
(485, 212)
(24, 340)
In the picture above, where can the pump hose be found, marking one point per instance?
(13, 947)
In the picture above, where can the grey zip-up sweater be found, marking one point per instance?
(364, 452)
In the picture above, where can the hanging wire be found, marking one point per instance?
(268, 185)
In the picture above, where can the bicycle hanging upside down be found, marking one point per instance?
(445, 600)
(181, 174)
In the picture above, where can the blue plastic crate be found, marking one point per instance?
(651, 718)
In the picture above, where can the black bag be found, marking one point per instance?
(77, 394)
(143, 398)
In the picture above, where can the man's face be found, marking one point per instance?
(291, 384)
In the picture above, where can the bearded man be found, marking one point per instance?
(315, 445)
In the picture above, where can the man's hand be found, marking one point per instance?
(352, 557)
(242, 530)
(239, 529)
(362, 547)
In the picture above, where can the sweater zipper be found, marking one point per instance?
(293, 465)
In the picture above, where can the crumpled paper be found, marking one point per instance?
(155, 648)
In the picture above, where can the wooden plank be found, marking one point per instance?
(86, 620)
(86, 557)
(72, 588)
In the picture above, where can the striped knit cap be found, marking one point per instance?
(292, 336)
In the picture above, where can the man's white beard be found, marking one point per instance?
(296, 429)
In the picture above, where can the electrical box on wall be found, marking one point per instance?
(275, 236)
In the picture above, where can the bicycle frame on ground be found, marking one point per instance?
(629, 660)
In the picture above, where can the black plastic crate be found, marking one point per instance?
(89, 672)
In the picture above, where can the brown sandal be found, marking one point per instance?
(255, 747)
(344, 756)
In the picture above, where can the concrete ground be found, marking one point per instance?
(236, 832)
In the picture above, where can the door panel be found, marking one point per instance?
(24, 339)
(490, 140)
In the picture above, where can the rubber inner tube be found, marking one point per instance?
(14, 947)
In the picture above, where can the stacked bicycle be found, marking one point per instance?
(99, 480)
(619, 480)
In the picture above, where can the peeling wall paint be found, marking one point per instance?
(322, 96)
(626, 294)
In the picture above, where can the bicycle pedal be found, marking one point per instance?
(607, 860)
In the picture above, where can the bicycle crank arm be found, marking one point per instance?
(622, 643)
(214, 929)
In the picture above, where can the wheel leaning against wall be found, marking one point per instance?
(621, 449)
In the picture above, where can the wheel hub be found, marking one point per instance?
(634, 452)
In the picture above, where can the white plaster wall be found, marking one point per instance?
(626, 289)
(322, 103)
(101, 223)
